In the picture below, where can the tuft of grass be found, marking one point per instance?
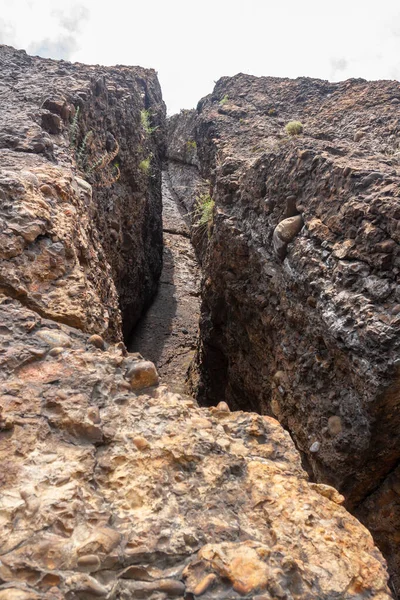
(145, 119)
(145, 165)
(294, 128)
(224, 100)
(204, 210)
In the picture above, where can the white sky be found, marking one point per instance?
(193, 43)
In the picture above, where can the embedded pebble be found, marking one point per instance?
(141, 443)
(97, 341)
(142, 374)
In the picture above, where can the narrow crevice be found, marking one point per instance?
(168, 330)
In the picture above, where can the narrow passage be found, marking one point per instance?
(167, 333)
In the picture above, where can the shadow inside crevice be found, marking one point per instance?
(153, 329)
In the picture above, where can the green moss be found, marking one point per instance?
(145, 165)
(191, 145)
(294, 128)
(224, 100)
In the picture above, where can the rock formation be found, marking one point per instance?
(78, 198)
(112, 486)
(300, 296)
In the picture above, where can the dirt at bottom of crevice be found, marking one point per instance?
(167, 333)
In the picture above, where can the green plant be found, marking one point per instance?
(73, 130)
(294, 128)
(85, 156)
(191, 145)
(204, 211)
(81, 151)
(144, 165)
(224, 100)
(145, 119)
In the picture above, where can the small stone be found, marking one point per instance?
(223, 407)
(88, 563)
(204, 584)
(334, 425)
(46, 190)
(51, 123)
(87, 584)
(284, 233)
(97, 341)
(141, 443)
(358, 136)
(120, 346)
(201, 423)
(142, 374)
(170, 587)
(55, 338)
(315, 447)
(93, 414)
(56, 351)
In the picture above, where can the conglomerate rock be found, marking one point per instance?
(77, 195)
(112, 491)
(300, 296)
(111, 486)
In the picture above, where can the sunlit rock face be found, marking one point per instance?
(81, 207)
(111, 490)
(112, 486)
(300, 298)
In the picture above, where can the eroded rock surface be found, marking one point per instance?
(112, 486)
(72, 147)
(300, 299)
(112, 491)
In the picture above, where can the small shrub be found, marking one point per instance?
(73, 130)
(204, 211)
(294, 128)
(145, 119)
(85, 156)
(144, 165)
(224, 100)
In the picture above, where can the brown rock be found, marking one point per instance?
(142, 374)
(97, 340)
(75, 495)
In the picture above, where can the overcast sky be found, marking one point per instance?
(193, 43)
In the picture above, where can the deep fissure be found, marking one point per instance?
(297, 245)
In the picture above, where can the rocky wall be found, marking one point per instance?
(300, 294)
(111, 486)
(81, 189)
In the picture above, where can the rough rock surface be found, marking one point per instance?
(300, 298)
(111, 486)
(71, 145)
(110, 491)
(168, 332)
